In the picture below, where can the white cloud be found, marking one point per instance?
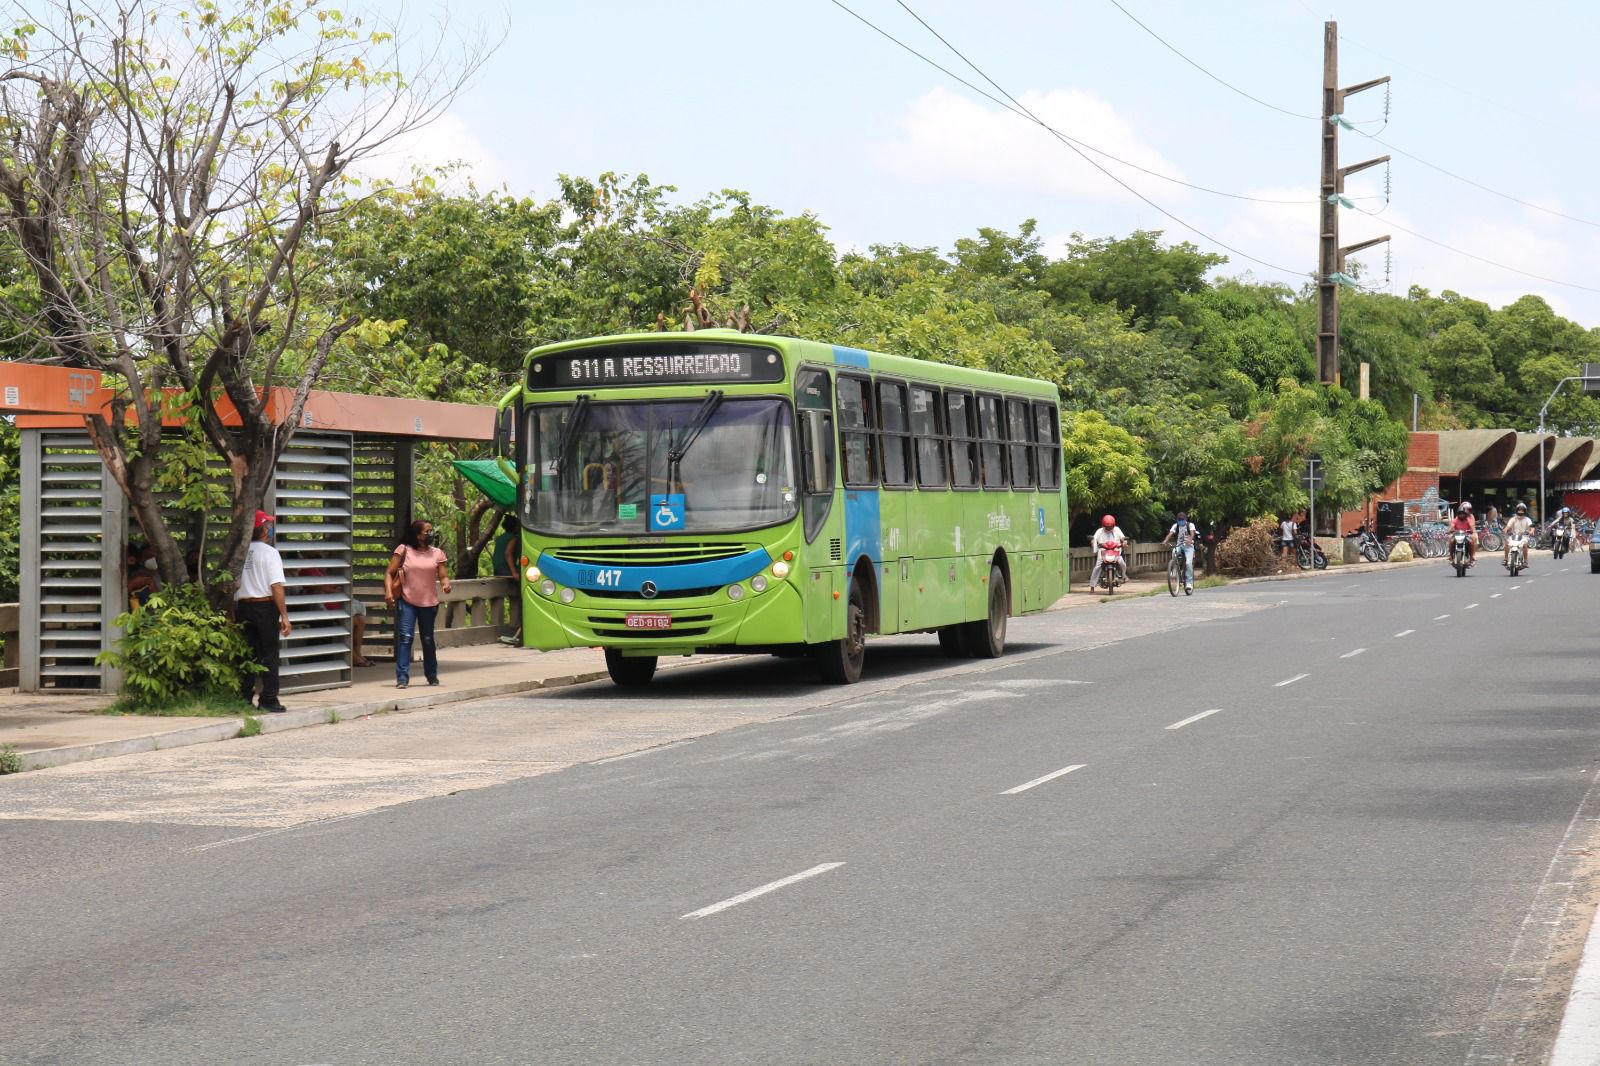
(946, 137)
(447, 139)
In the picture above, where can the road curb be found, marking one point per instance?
(301, 718)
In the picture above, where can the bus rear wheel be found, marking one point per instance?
(630, 672)
(840, 661)
(986, 639)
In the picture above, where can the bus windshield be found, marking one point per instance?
(612, 475)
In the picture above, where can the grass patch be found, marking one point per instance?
(251, 726)
(333, 717)
(1212, 582)
(10, 760)
(215, 705)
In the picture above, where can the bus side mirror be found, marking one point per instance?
(504, 431)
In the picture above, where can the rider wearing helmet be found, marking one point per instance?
(1464, 521)
(1519, 525)
(1186, 534)
(1108, 533)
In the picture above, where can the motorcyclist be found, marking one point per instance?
(1565, 524)
(1186, 535)
(1464, 521)
(1107, 534)
(1519, 525)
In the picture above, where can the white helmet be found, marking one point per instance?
(1466, 507)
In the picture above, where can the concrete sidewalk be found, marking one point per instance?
(51, 729)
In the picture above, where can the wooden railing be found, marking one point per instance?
(480, 611)
(1141, 558)
(10, 614)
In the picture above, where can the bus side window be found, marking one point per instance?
(896, 439)
(1046, 430)
(992, 450)
(814, 399)
(963, 439)
(931, 472)
(1019, 431)
(856, 432)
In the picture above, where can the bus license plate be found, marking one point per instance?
(649, 621)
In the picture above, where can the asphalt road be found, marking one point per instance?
(1340, 820)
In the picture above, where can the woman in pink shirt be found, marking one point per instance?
(415, 575)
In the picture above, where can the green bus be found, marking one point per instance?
(719, 492)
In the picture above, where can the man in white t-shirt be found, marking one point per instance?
(260, 609)
(1108, 533)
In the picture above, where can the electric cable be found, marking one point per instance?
(1470, 255)
(1017, 108)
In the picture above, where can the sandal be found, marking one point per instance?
(361, 662)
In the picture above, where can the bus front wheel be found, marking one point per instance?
(839, 661)
(986, 638)
(630, 672)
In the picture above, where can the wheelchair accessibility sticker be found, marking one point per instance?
(666, 510)
(1041, 521)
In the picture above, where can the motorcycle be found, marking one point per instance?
(1111, 567)
(1517, 560)
(1458, 552)
(1370, 547)
(1305, 550)
(1561, 542)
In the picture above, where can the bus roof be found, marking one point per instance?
(797, 350)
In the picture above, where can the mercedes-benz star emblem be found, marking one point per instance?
(648, 590)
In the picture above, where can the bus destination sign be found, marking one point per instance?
(620, 365)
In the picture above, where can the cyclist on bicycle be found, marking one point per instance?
(1519, 525)
(1464, 521)
(1108, 533)
(1184, 532)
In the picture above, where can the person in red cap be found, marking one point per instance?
(262, 611)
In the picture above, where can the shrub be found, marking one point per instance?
(1251, 549)
(177, 647)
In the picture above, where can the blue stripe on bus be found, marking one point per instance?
(863, 527)
(850, 357)
(667, 578)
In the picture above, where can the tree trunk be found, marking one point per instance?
(482, 535)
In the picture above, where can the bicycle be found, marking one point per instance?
(1177, 573)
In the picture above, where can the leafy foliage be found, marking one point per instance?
(177, 647)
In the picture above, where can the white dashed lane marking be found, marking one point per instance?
(1041, 780)
(773, 886)
(1195, 718)
(1352, 654)
(1292, 680)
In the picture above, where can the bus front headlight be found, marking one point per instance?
(735, 592)
(780, 569)
(759, 583)
(547, 587)
(567, 595)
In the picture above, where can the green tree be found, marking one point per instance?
(1135, 274)
(1106, 465)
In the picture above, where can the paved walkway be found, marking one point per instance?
(48, 729)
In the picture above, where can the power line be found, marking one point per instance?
(1220, 81)
(1018, 108)
(1392, 224)
(1023, 113)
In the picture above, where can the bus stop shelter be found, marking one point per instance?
(341, 491)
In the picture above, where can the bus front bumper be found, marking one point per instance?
(774, 617)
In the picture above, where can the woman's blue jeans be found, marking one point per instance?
(412, 621)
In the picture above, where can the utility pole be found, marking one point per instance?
(1330, 260)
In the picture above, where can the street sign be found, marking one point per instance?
(1591, 377)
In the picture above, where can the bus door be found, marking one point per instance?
(813, 394)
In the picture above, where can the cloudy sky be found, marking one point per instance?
(808, 109)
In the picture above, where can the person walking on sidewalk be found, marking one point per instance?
(411, 585)
(260, 609)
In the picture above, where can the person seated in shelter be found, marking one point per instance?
(143, 579)
(358, 614)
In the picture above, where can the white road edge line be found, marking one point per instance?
(1041, 780)
(1292, 680)
(1195, 718)
(1352, 654)
(275, 832)
(1405, 632)
(746, 897)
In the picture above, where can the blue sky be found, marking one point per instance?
(807, 109)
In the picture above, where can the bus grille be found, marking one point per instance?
(673, 553)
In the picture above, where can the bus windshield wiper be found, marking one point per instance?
(569, 432)
(708, 407)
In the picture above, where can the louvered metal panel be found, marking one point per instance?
(71, 567)
(312, 499)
